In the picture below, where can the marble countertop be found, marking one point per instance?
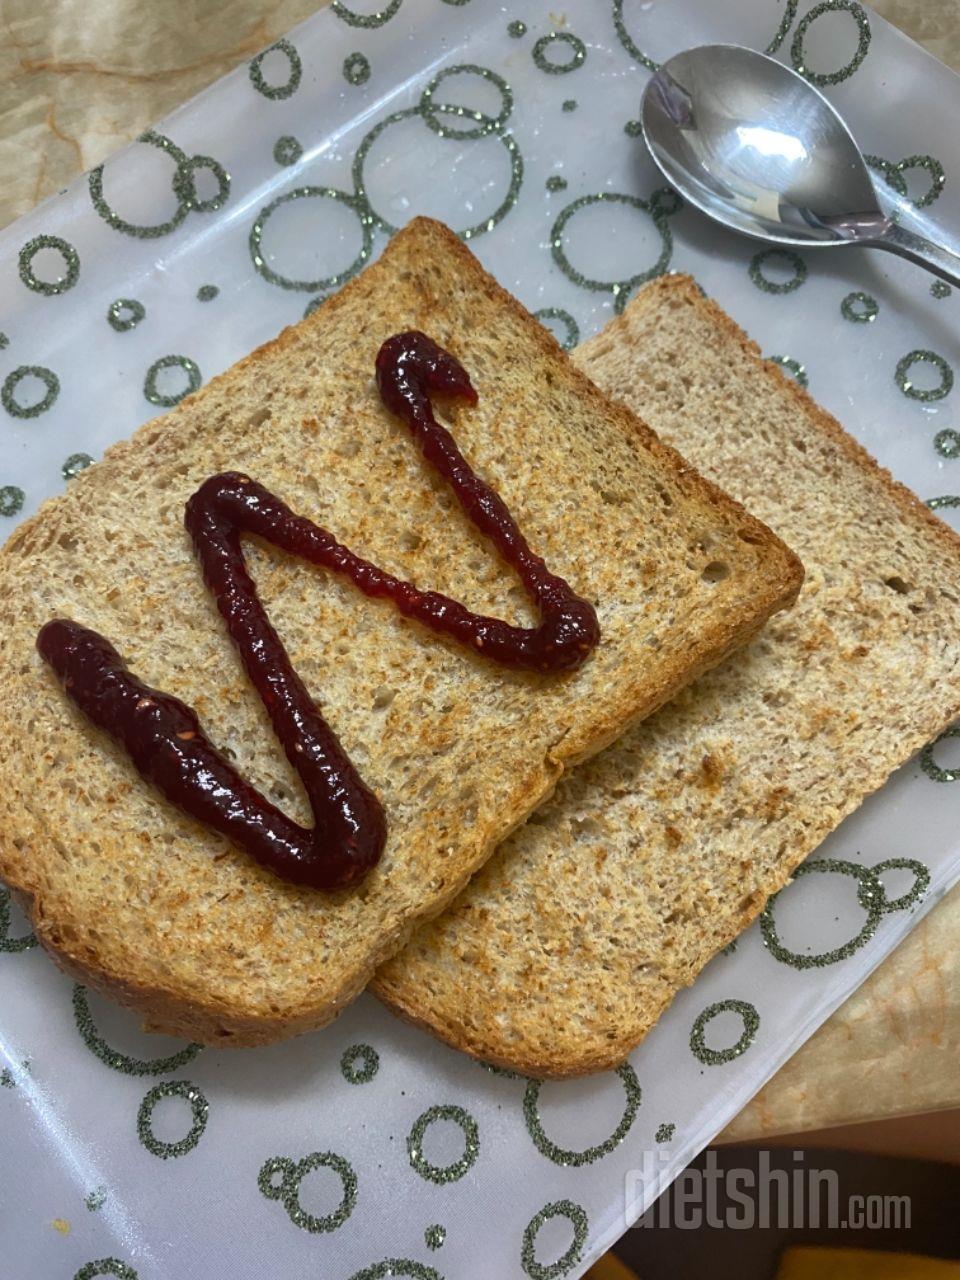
(79, 81)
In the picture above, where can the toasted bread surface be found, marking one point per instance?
(145, 904)
(574, 938)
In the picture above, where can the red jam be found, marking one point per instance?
(163, 736)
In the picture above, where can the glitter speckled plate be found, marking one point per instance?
(132, 1156)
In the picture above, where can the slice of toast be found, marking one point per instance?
(144, 903)
(570, 943)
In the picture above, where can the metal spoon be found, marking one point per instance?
(756, 147)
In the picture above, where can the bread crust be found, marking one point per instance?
(419, 984)
(208, 1009)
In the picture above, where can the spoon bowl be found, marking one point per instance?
(755, 146)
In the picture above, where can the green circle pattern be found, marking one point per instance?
(287, 150)
(368, 20)
(947, 443)
(890, 172)
(426, 111)
(190, 368)
(859, 308)
(486, 125)
(576, 1159)
(405, 1267)
(141, 231)
(922, 356)
(786, 22)
(113, 1058)
(620, 289)
(863, 41)
(106, 1267)
(434, 1236)
(717, 1057)
(793, 367)
(288, 1189)
(125, 314)
(269, 1170)
(893, 175)
(577, 58)
(630, 45)
(359, 1064)
(356, 69)
(870, 896)
(789, 258)
(183, 185)
(199, 1109)
(921, 882)
(12, 381)
(11, 499)
(27, 940)
(71, 259)
(450, 1172)
(358, 206)
(557, 313)
(74, 464)
(927, 761)
(277, 92)
(577, 1216)
(291, 1192)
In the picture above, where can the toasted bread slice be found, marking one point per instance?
(144, 903)
(571, 942)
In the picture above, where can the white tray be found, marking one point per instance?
(69, 1117)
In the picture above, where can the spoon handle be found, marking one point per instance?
(941, 261)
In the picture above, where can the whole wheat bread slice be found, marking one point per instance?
(574, 938)
(144, 903)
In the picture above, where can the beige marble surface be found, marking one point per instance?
(78, 80)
